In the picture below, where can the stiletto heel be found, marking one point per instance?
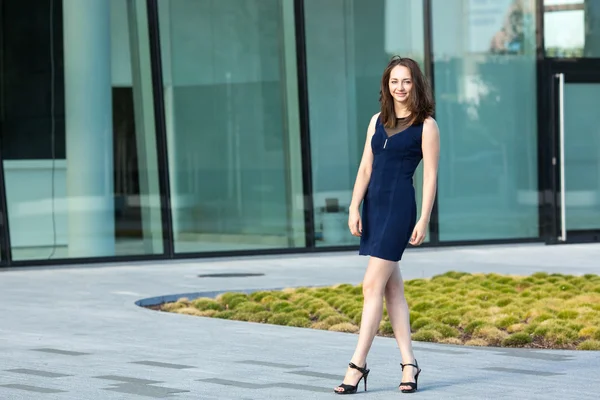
(351, 389)
(413, 385)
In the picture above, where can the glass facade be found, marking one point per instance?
(485, 89)
(179, 128)
(343, 78)
(78, 135)
(231, 105)
(582, 157)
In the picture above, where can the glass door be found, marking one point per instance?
(577, 155)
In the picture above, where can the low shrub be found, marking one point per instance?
(519, 339)
(542, 310)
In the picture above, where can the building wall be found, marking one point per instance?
(232, 111)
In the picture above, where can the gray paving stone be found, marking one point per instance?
(162, 364)
(156, 392)
(36, 372)
(62, 352)
(439, 350)
(270, 364)
(238, 384)
(317, 374)
(31, 388)
(521, 371)
(88, 328)
(127, 379)
(250, 385)
(537, 356)
(300, 387)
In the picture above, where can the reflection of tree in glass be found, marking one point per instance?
(592, 28)
(591, 47)
(501, 85)
(511, 37)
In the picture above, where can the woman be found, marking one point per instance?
(398, 138)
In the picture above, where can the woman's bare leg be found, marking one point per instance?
(400, 320)
(374, 283)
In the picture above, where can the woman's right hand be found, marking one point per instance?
(354, 222)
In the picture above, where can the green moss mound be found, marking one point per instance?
(541, 311)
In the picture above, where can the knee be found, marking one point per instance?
(372, 289)
(394, 289)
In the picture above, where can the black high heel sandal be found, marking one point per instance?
(413, 385)
(349, 389)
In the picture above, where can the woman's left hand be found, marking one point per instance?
(418, 235)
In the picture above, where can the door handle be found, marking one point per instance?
(561, 138)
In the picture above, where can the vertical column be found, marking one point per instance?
(145, 129)
(164, 14)
(293, 152)
(89, 136)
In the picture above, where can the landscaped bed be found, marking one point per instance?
(540, 311)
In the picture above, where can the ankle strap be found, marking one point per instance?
(412, 365)
(363, 370)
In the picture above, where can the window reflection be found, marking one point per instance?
(232, 124)
(344, 74)
(572, 28)
(485, 89)
(79, 152)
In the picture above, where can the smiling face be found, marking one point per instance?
(404, 88)
(400, 83)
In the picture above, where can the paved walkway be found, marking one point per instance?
(76, 333)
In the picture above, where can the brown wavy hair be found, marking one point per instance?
(420, 100)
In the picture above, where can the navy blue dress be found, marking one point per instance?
(389, 211)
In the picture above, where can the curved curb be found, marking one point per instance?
(154, 301)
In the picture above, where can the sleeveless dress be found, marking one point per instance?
(389, 211)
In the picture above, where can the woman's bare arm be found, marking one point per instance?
(431, 153)
(430, 145)
(364, 169)
(361, 183)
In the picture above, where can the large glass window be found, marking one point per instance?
(231, 100)
(485, 89)
(78, 137)
(572, 28)
(582, 156)
(348, 45)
